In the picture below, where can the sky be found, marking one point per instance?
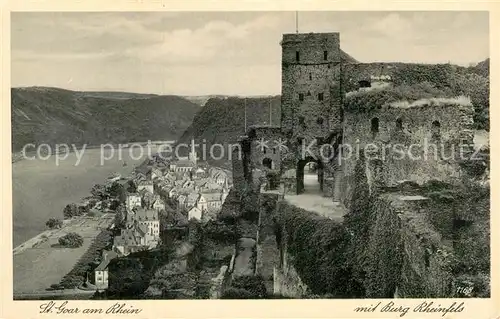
(233, 53)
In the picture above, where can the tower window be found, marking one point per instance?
(310, 76)
(301, 96)
(399, 124)
(320, 96)
(364, 84)
(325, 55)
(302, 121)
(436, 130)
(274, 150)
(374, 125)
(297, 56)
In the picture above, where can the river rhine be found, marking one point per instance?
(41, 189)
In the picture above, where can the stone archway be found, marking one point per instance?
(306, 182)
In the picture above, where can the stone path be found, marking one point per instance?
(312, 199)
(242, 263)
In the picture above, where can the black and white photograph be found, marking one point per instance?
(251, 155)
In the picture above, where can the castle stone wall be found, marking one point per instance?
(415, 150)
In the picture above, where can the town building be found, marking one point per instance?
(101, 273)
(194, 213)
(133, 200)
(147, 185)
(158, 203)
(150, 219)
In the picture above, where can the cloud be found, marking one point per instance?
(216, 42)
(220, 52)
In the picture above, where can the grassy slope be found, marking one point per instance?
(51, 115)
(223, 120)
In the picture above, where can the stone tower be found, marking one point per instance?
(311, 103)
(311, 100)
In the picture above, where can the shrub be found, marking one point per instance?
(71, 210)
(237, 293)
(54, 223)
(70, 282)
(72, 240)
(253, 284)
(317, 247)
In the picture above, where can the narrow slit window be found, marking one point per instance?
(325, 55)
(301, 96)
(399, 124)
(320, 96)
(436, 130)
(302, 121)
(297, 56)
(374, 125)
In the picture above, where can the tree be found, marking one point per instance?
(118, 191)
(99, 191)
(71, 210)
(246, 287)
(71, 240)
(120, 215)
(131, 188)
(54, 223)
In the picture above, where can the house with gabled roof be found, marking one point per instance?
(101, 272)
(194, 213)
(213, 200)
(148, 185)
(156, 173)
(192, 199)
(181, 201)
(133, 200)
(158, 203)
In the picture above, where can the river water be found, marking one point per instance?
(41, 188)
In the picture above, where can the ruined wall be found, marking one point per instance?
(238, 171)
(287, 283)
(396, 73)
(311, 92)
(261, 137)
(419, 265)
(267, 247)
(408, 145)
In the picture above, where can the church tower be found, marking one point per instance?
(192, 155)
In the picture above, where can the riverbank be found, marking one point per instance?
(41, 262)
(41, 189)
(19, 156)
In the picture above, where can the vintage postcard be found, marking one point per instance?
(307, 160)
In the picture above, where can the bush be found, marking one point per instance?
(317, 247)
(237, 293)
(70, 282)
(54, 223)
(71, 210)
(253, 284)
(71, 240)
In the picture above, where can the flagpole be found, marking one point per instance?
(270, 113)
(296, 22)
(245, 115)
